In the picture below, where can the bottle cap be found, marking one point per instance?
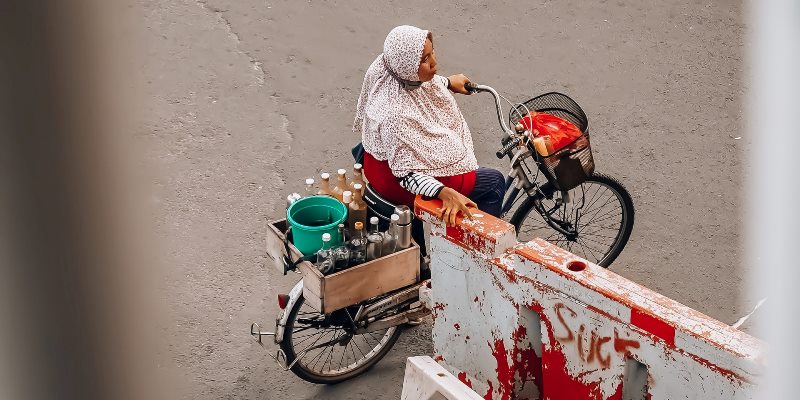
(310, 181)
(359, 225)
(395, 218)
(373, 220)
(405, 214)
(341, 226)
(325, 176)
(358, 186)
(357, 166)
(341, 171)
(326, 237)
(347, 196)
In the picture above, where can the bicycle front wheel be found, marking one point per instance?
(599, 217)
(323, 348)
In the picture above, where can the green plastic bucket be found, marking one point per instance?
(312, 216)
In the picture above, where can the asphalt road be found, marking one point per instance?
(247, 98)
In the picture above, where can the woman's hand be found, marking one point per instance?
(452, 203)
(457, 83)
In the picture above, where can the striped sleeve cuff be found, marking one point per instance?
(419, 183)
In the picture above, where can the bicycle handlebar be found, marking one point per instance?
(508, 147)
(510, 138)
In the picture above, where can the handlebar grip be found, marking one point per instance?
(508, 147)
(471, 87)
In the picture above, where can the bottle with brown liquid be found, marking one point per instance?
(325, 185)
(357, 209)
(358, 178)
(341, 184)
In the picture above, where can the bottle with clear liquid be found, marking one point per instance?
(357, 209)
(290, 199)
(390, 236)
(341, 184)
(358, 245)
(325, 261)
(358, 178)
(374, 240)
(309, 187)
(325, 185)
(341, 253)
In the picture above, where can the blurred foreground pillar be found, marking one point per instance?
(69, 284)
(773, 221)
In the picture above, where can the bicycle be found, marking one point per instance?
(561, 198)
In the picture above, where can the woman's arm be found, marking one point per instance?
(452, 200)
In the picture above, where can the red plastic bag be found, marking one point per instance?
(561, 131)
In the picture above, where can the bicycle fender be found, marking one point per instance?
(283, 316)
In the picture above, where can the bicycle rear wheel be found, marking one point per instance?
(322, 348)
(599, 214)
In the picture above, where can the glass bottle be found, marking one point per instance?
(290, 199)
(325, 185)
(309, 187)
(390, 236)
(347, 198)
(358, 245)
(357, 209)
(341, 184)
(325, 262)
(358, 178)
(374, 240)
(341, 253)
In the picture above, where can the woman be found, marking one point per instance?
(415, 139)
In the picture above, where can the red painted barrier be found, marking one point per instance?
(533, 321)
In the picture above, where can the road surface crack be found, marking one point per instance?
(220, 15)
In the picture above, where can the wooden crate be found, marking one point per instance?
(356, 284)
(351, 286)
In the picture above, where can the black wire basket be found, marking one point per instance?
(573, 164)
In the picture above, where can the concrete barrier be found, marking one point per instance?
(427, 380)
(533, 321)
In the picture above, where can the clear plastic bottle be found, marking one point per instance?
(390, 236)
(358, 178)
(325, 261)
(341, 253)
(374, 240)
(325, 185)
(309, 187)
(341, 184)
(357, 210)
(358, 245)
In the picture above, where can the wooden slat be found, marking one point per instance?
(275, 247)
(312, 279)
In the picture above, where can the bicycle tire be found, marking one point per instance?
(308, 374)
(522, 214)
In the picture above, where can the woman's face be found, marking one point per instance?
(427, 66)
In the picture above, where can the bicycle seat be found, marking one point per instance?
(378, 206)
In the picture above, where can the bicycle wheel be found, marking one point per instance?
(599, 217)
(328, 350)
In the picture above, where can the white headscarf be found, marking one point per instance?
(415, 130)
